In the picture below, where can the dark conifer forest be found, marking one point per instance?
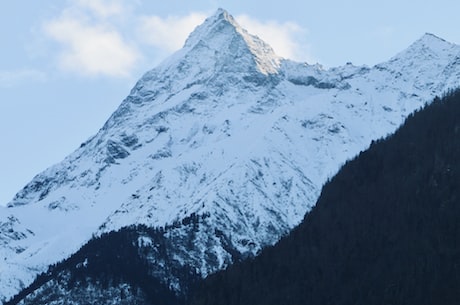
(112, 262)
(386, 229)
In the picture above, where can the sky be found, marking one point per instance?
(66, 65)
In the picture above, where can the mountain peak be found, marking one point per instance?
(220, 20)
(428, 48)
(222, 34)
(222, 14)
(427, 37)
(433, 42)
(430, 43)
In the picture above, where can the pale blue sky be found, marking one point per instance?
(59, 81)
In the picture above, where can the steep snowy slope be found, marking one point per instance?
(223, 129)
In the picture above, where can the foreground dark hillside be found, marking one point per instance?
(386, 229)
(119, 267)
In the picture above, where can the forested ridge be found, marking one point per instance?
(385, 230)
(118, 267)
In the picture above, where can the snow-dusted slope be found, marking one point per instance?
(223, 129)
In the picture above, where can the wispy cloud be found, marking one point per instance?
(89, 44)
(103, 8)
(92, 36)
(91, 49)
(11, 78)
(288, 39)
(170, 33)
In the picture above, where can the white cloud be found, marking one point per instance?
(287, 39)
(103, 8)
(11, 78)
(170, 33)
(91, 49)
(89, 44)
(91, 36)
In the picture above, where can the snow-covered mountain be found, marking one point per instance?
(224, 130)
